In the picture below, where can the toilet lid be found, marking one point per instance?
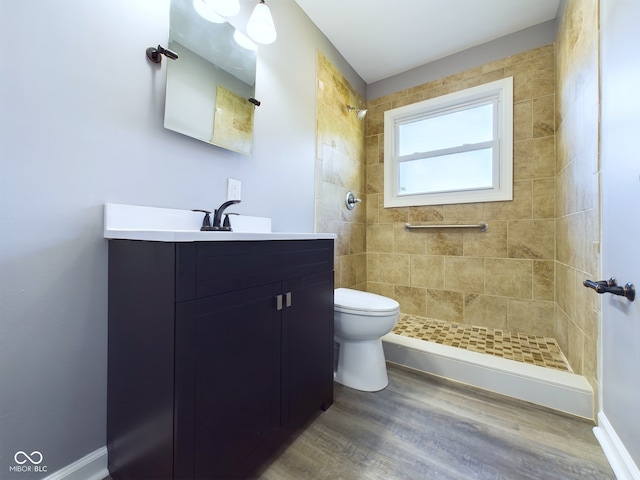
(348, 300)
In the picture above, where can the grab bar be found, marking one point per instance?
(482, 226)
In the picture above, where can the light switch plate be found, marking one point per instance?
(233, 189)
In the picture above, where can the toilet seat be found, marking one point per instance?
(356, 302)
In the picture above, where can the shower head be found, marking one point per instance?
(361, 112)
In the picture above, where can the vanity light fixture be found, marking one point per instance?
(244, 41)
(260, 27)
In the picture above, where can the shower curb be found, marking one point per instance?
(555, 389)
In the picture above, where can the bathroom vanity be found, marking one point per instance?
(220, 347)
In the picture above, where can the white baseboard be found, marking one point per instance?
(621, 462)
(90, 467)
(556, 389)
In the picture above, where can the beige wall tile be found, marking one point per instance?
(375, 178)
(533, 78)
(561, 329)
(576, 240)
(445, 305)
(531, 239)
(492, 243)
(444, 242)
(575, 348)
(523, 120)
(544, 280)
(523, 313)
(380, 238)
(412, 300)
(519, 207)
(383, 289)
(425, 214)
(357, 238)
(544, 116)
(566, 289)
(464, 274)
(464, 212)
(508, 277)
(586, 300)
(427, 271)
(342, 240)
(394, 269)
(408, 242)
(373, 267)
(371, 206)
(544, 197)
(340, 166)
(577, 190)
(373, 148)
(485, 310)
(391, 215)
(361, 270)
(589, 361)
(534, 158)
(348, 274)
(347, 172)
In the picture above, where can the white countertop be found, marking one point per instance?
(130, 222)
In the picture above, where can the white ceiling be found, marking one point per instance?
(381, 38)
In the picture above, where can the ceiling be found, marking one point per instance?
(381, 38)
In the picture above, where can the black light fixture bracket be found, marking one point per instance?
(155, 54)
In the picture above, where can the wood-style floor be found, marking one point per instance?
(422, 427)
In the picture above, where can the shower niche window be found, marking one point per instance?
(457, 148)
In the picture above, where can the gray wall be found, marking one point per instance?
(81, 124)
(528, 39)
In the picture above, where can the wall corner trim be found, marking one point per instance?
(621, 462)
(90, 467)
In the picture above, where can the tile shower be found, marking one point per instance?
(523, 274)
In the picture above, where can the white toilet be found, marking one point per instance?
(361, 318)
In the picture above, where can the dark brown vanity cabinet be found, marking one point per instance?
(218, 351)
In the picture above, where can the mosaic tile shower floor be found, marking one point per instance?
(522, 347)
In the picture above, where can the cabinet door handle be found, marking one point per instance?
(278, 302)
(288, 299)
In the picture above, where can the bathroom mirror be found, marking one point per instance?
(209, 85)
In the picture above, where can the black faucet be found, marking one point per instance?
(217, 216)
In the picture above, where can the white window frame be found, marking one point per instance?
(502, 189)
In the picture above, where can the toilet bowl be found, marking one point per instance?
(360, 320)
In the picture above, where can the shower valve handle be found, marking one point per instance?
(351, 200)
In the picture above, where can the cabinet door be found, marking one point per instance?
(237, 380)
(307, 348)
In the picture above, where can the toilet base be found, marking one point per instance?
(361, 364)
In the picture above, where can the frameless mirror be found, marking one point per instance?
(210, 84)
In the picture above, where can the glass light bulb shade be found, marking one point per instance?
(226, 8)
(244, 41)
(260, 27)
(205, 11)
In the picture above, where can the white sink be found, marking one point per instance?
(134, 222)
